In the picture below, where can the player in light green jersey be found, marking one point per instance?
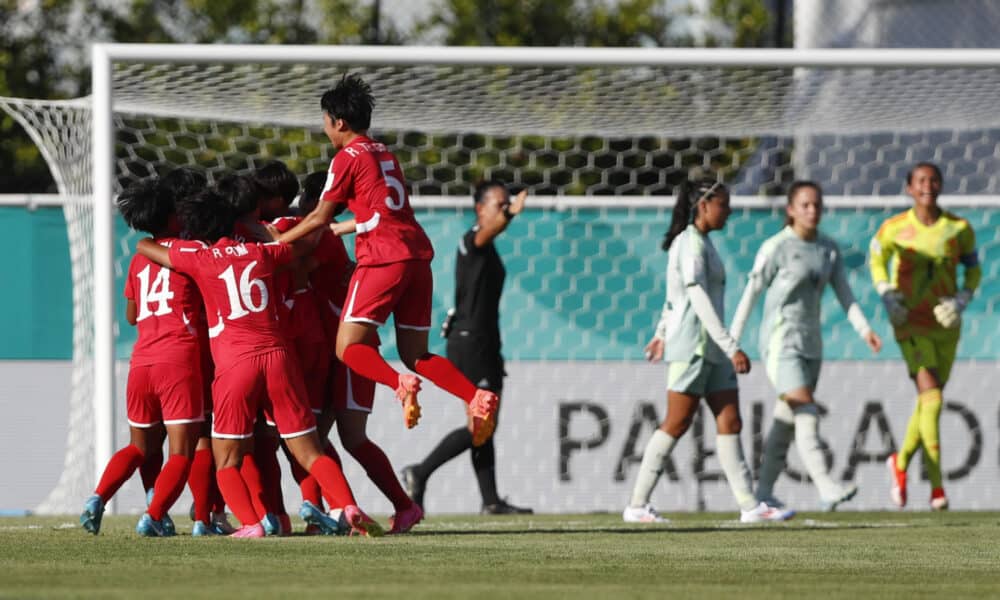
(794, 267)
(704, 359)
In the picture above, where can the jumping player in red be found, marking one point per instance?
(393, 253)
(164, 381)
(352, 395)
(253, 367)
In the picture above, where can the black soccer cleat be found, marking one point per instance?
(503, 508)
(414, 484)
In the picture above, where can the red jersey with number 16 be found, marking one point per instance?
(237, 282)
(169, 314)
(367, 177)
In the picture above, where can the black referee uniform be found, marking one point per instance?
(474, 334)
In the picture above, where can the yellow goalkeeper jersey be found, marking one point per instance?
(921, 261)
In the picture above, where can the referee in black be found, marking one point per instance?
(473, 332)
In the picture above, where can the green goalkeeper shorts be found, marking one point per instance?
(934, 351)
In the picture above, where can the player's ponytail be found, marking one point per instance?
(689, 194)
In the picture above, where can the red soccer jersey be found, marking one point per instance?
(169, 316)
(367, 177)
(237, 282)
(300, 315)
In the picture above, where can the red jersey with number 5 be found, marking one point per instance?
(237, 282)
(169, 312)
(367, 177)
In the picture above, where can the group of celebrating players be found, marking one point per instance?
(256, 331)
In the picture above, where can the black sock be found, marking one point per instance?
(484, 462)
(453, 444)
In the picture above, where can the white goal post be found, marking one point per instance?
(810, 104)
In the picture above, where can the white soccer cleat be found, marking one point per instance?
(763, 513)
(831, 504)
(642, 514)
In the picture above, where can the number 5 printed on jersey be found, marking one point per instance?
(395, 185)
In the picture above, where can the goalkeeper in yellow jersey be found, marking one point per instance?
(914, 263)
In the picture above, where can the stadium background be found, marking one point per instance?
(586, 285)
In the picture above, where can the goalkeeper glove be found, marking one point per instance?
(948, 312)
(893, 301)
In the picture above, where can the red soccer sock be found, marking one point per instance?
(367, 362)
(150, 468)
(331, 478)
(200, 482)
(237, 496)
(307, 485)
(252, 479)
(270, 478)
(379, 470)
(169, 485)
(119, 469)
(446, 376)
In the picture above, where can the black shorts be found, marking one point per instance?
(478, 359)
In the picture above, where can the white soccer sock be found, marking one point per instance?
(807, 443)
(730, 453)
(775, 449)
(656, 453)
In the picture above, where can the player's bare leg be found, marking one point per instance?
(356, 350)
(726, 409)
(482, 404)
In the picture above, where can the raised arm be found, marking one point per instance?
(491, 228)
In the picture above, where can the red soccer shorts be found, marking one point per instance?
(351, 391)
(403, 289)
(270, 381)
(168, 393)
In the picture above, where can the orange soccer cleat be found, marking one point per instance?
(409, 386)
(482, 416)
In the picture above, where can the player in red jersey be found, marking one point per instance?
(164, 381)
(253, 367)
(393, 253)
(352, 395)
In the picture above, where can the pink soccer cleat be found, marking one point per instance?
(482, 416)
(249, 531)
(409, 386)
(362, 524)
(406, 519)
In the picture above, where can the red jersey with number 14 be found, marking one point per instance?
(367, 177)
(237, 282)
(169, 312)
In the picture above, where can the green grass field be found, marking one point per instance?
(844, 555)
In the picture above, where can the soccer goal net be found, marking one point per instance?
(600, 137)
